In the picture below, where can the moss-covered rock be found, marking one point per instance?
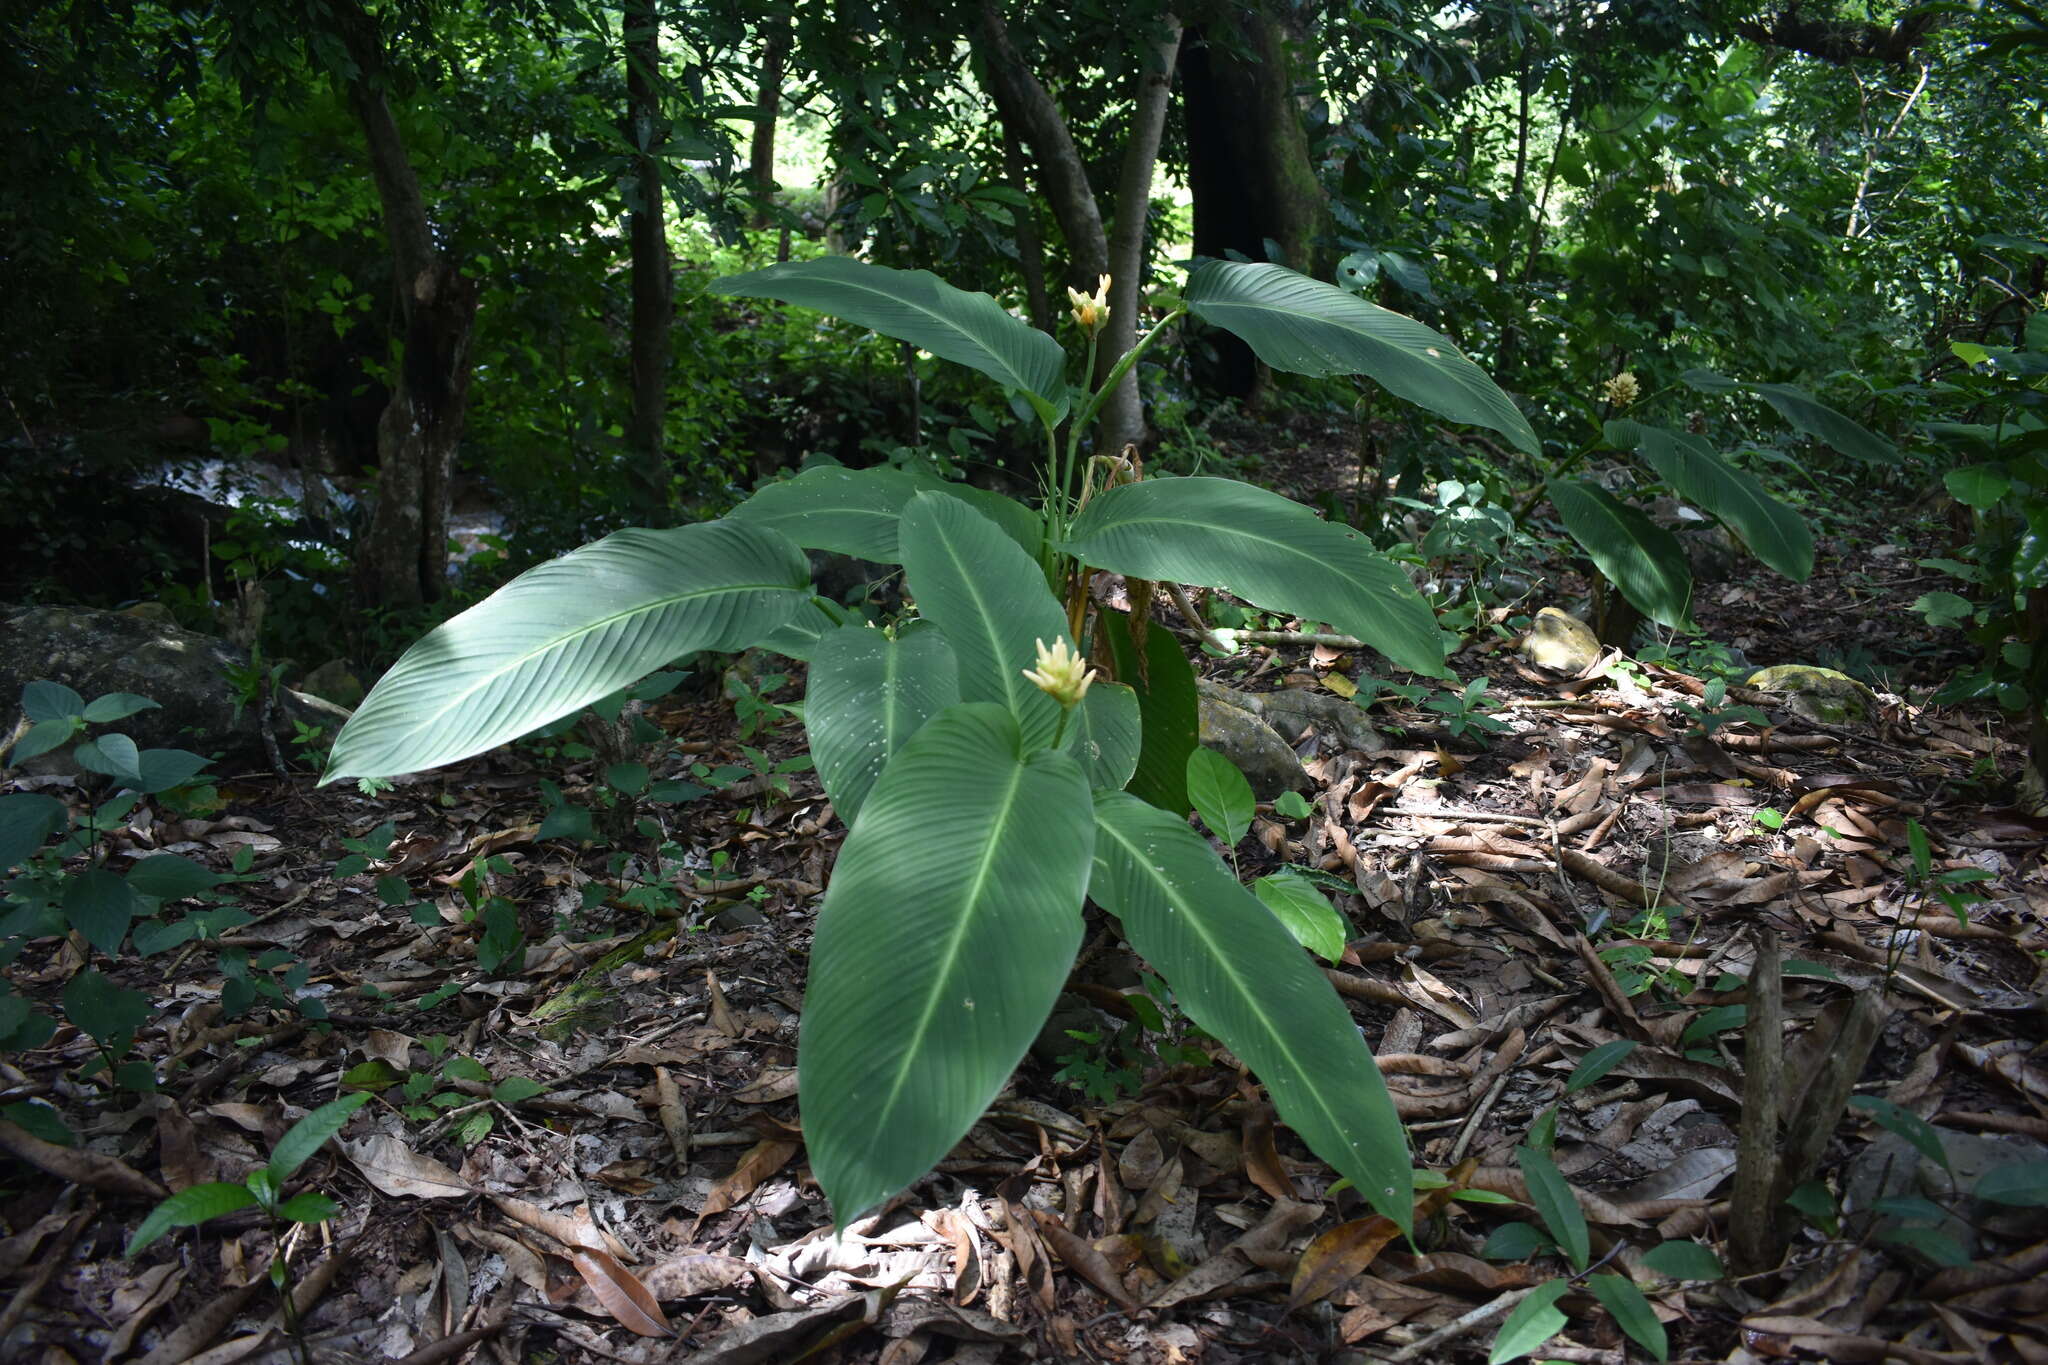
(1561, 642)
(1818, 694)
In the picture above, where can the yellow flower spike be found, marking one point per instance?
(1621, 390)
(1091, 312)
(1059, 674)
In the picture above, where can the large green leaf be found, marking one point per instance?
(989, 597)
(1308, 327)
(1638, 556)
(1278, 554)
(1773, 532)
(1105, 734)
(1169, 708)
(868, 694)
(855, 511)
(846, 511)
(1240, 975)
(189, 1207)
(918, 307)
(951, 923)
(1807, 413)
(567, 633)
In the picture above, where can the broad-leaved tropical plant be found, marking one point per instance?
(989, 788)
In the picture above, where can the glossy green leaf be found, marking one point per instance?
(116, 706)
(1553, 1200)
(1240, 975)
(2024, 1183)
(1532, 1322)
(1513, 1242)
(159, 770)
(1306, 911)
(565, 634)
(43, 700)
(111, 1014)
(1632, 1312)
(1306, 326)
(1903, 1122)
(1981, 486)
(308, 1207)
(311, 1133)
(27, 820)
(111, 755)
(1169, 708)
(918, 307)
(952, 921)
(99, 905)
(1221, 533)
(868, 695)
(190, 1207)
(1807, 413)
(167, 876)
(517, 1090)
(1638, 556)
(1105, 735)
(41, 738)
(1221, 795)
(1684, 1261)
(1773, 532)
(1598, 1063)
(990, 598)
(828, 507)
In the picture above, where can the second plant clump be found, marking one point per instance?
(989, 790)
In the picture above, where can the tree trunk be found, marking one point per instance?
(1123, 416)
(1030, 246)
(647, 430)
(1248, 165)
(767, 107)
(1028, 112)
(402, 560)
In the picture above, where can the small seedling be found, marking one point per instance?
(263, 1189)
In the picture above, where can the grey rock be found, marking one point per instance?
(1257, 749)
(184, 672)
(333, 681)
(1291, 711)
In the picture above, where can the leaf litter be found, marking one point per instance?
(596, 1152)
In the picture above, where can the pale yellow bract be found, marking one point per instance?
(1059, 673)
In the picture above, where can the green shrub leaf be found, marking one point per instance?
(1221, 795)
(952, 921)
(567, 633)
(1554, 1201)
(1243, 978)
(188, 1208)
(1534, 1321)
(1638, 556)
(1220, 533)
(1632, 1312)
(868, 695)
(1773, 532)
(1306, 326)
(990, 599)
(1306, 911)
(310, 1134)
(918, 307)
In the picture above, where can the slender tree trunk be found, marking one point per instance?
(647, 430)
(1123, 416)
(1028, 112)
(767, 107)
(1025, 104)
(402, 559)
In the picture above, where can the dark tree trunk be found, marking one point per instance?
(767, 107)
(1248, 164)
(1123, 416)
(402, 560)
(646, 431)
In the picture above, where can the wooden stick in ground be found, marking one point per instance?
(1753, 1233)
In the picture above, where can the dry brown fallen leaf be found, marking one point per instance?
(396, 1169)
(623, 1296)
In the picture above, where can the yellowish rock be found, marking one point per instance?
(1819, 694)
(1561, 642)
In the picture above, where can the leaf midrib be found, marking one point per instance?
(1195, 926)
(556, 642)
(972, 904)
(1016, 381)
